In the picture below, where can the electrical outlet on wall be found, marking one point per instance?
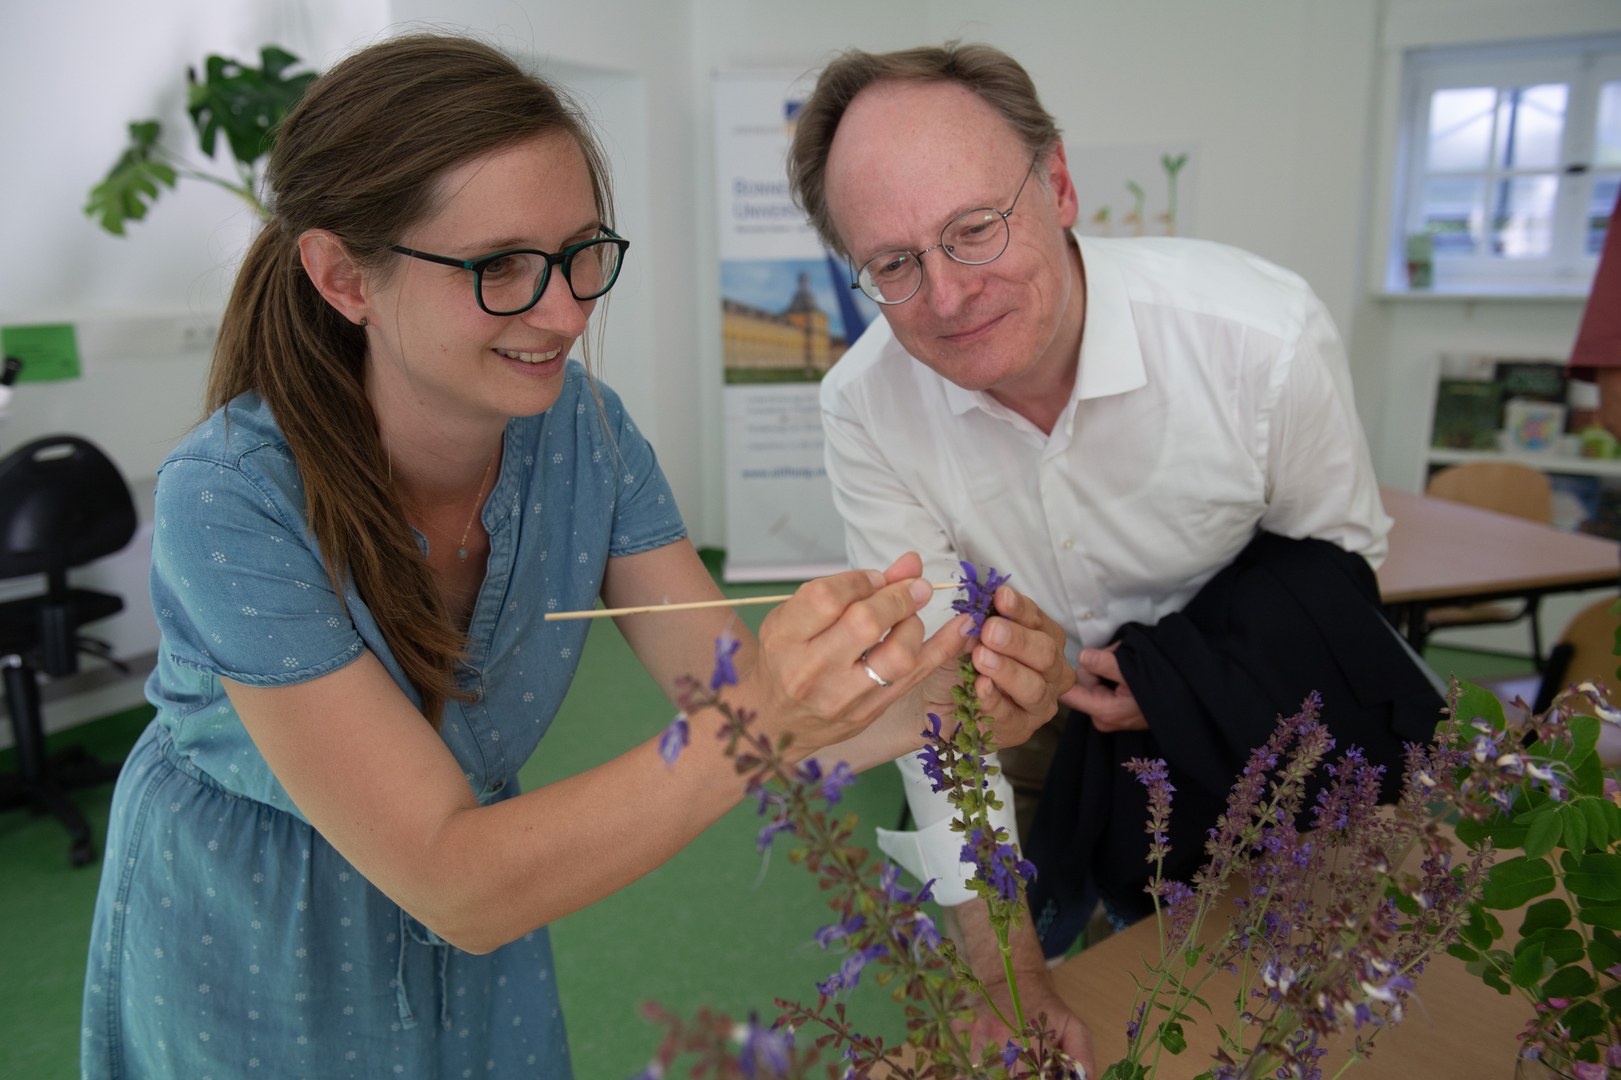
(198, 336)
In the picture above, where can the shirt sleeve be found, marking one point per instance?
(882, 517)
(237, 585)
(645, 513)
(1319, 474)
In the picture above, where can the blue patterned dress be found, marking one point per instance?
(230, 939)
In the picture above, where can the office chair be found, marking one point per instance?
(62, 504)
(1507, 488)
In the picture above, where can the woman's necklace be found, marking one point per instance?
(478, 502)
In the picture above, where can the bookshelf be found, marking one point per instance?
(1563, 464)
(1489, 408)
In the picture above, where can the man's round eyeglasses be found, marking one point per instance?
(973, 238)
(511, 282)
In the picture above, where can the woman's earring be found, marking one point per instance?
(363, 322)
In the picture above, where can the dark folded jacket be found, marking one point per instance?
(1285, 619)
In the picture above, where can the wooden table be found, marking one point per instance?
(1445, 552)
(1455, 1026)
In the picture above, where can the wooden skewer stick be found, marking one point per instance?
(738, 601)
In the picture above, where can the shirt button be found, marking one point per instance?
(1068, 543)
(497, 786)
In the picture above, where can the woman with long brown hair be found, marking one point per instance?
(319, 862)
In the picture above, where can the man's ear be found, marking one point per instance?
(335, 273)
(1063, 187)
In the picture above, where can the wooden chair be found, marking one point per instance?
(1585, 652)
(1507, 488)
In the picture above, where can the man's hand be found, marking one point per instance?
(1101, 692)
(1039, 1000)
(971, 926)
(1022, 672)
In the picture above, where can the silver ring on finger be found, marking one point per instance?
(871, 674)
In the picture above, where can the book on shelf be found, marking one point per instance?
(1468, 414)
(1532, 380)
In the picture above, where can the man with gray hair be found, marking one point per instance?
(1116, 422)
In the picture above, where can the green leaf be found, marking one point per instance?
(1560, 946)
(1601, 822)
(1543, 830)
(1545, 914)
(1471, 832)
(1587, 775)
(1513, 882)
(1172, 1038)
(1585, 1019)
(1574, 820)
(1478, 703)
(1584, 730)
(1529, 966)
(244, 103)
(1481, 928)
(1569, 982)
(1604, 950)
(1605, 915)
(133, 182)
(1597, 877)
(1462, 952)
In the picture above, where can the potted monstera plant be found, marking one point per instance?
(231, 100)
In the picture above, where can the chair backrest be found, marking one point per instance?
(63, 503)
(1504, 486)
(1591, 637)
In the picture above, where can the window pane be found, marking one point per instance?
(1452, 214)
(1530, 123)
(1607, 149)
(1522, 219)
(1598, 211)
(1461, 128)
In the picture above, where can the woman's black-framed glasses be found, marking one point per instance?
(973, 238)
(511, 282)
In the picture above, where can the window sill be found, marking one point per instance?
(1482, 295)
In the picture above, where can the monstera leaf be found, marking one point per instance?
(133, 182)
(241, 102)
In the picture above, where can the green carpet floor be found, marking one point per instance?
(716, 926)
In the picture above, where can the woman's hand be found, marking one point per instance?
(844, 649)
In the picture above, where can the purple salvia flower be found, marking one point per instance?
(997, 863)
(977, 604)
(929, 756)
(766, 1051)
(674, 739)
(726, 647)
(924, 937)
(889, 881)
(849, 972)
(834, 783)
(838, 931)
(769, 833)
(1010, 1054)
(1135, 1024)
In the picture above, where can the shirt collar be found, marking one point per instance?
(1111, 355)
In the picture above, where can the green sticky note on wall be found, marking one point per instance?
(48, 351)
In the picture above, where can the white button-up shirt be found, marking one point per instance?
(1213, 399)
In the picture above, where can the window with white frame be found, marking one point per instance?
(1511, 164)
